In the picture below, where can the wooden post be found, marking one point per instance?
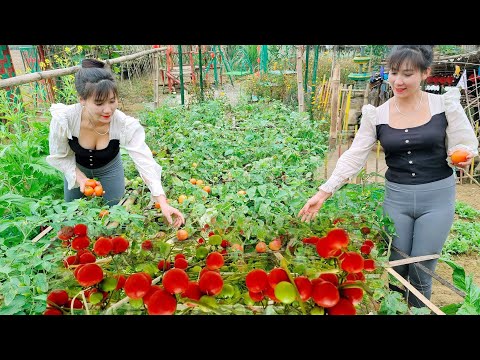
(300, 94)
(155, 79)
(334, 107)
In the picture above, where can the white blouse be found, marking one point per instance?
(65, 123)
(459, 134)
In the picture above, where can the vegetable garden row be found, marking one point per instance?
(240, 174)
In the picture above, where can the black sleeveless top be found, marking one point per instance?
(94, 159)
(416, 155)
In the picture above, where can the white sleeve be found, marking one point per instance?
(353, 159)
(142, 156)
(61, 155)
(460, 133)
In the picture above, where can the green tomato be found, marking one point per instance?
(285, 292)
(215, 240)
(208, 301)
(108, 284)
(227, 291)
(201, 252)
(317, 310)
(247, 299)
(196, 269)
(136, 303)
(95, 298)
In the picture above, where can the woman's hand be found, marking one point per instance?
(169, 211)
(81, 178)
(464, 164)
(313, 205)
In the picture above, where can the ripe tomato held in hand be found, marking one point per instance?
(459, 156)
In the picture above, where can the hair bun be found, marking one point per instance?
(92, 63)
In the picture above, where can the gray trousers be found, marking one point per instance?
(422, 215)
(111, 176)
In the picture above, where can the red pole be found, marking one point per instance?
(192, 66)
(48, 82)
(169, 67)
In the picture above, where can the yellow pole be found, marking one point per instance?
(347, 108)
(321, 94)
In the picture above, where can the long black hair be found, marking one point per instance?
(418, 56)
(93, 79)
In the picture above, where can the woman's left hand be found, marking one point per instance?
(465, 164)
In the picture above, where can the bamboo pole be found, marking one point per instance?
(155, 80)
(422, 298)
(299, 68)
(334, 108)
(48, 74)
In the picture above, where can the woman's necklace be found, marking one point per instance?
(416, 108)
(93, 128)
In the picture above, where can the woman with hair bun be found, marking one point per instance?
(418, 131)
(85, 140)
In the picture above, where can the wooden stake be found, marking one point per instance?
(422, 298)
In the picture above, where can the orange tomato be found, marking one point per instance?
(182, 235)
(88, 191)
(182, 198)
(459, 156)
(193, 181)
(207, 189)
(90, 182)
(199, 182)
(261, 247)
(98, 190)
(103, 213)
(157, 205)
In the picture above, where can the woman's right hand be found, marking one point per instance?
(310, 210)
(81, 178)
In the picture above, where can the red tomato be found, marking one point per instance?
(175, 281)
(276, 275)
(304, 287)
(211, 283)
(325, 294)
(58, 296)
(256, 280)
(137, 286)
(89, 274)
(162, 303)
(352, 262)
(214, 261)
(343, 307)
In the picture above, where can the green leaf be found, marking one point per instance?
(262, 189)
(458, 274)
(251, 192)
(14, 307)
(40, 280)
(5, 269)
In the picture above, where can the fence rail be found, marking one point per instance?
(48, 74)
